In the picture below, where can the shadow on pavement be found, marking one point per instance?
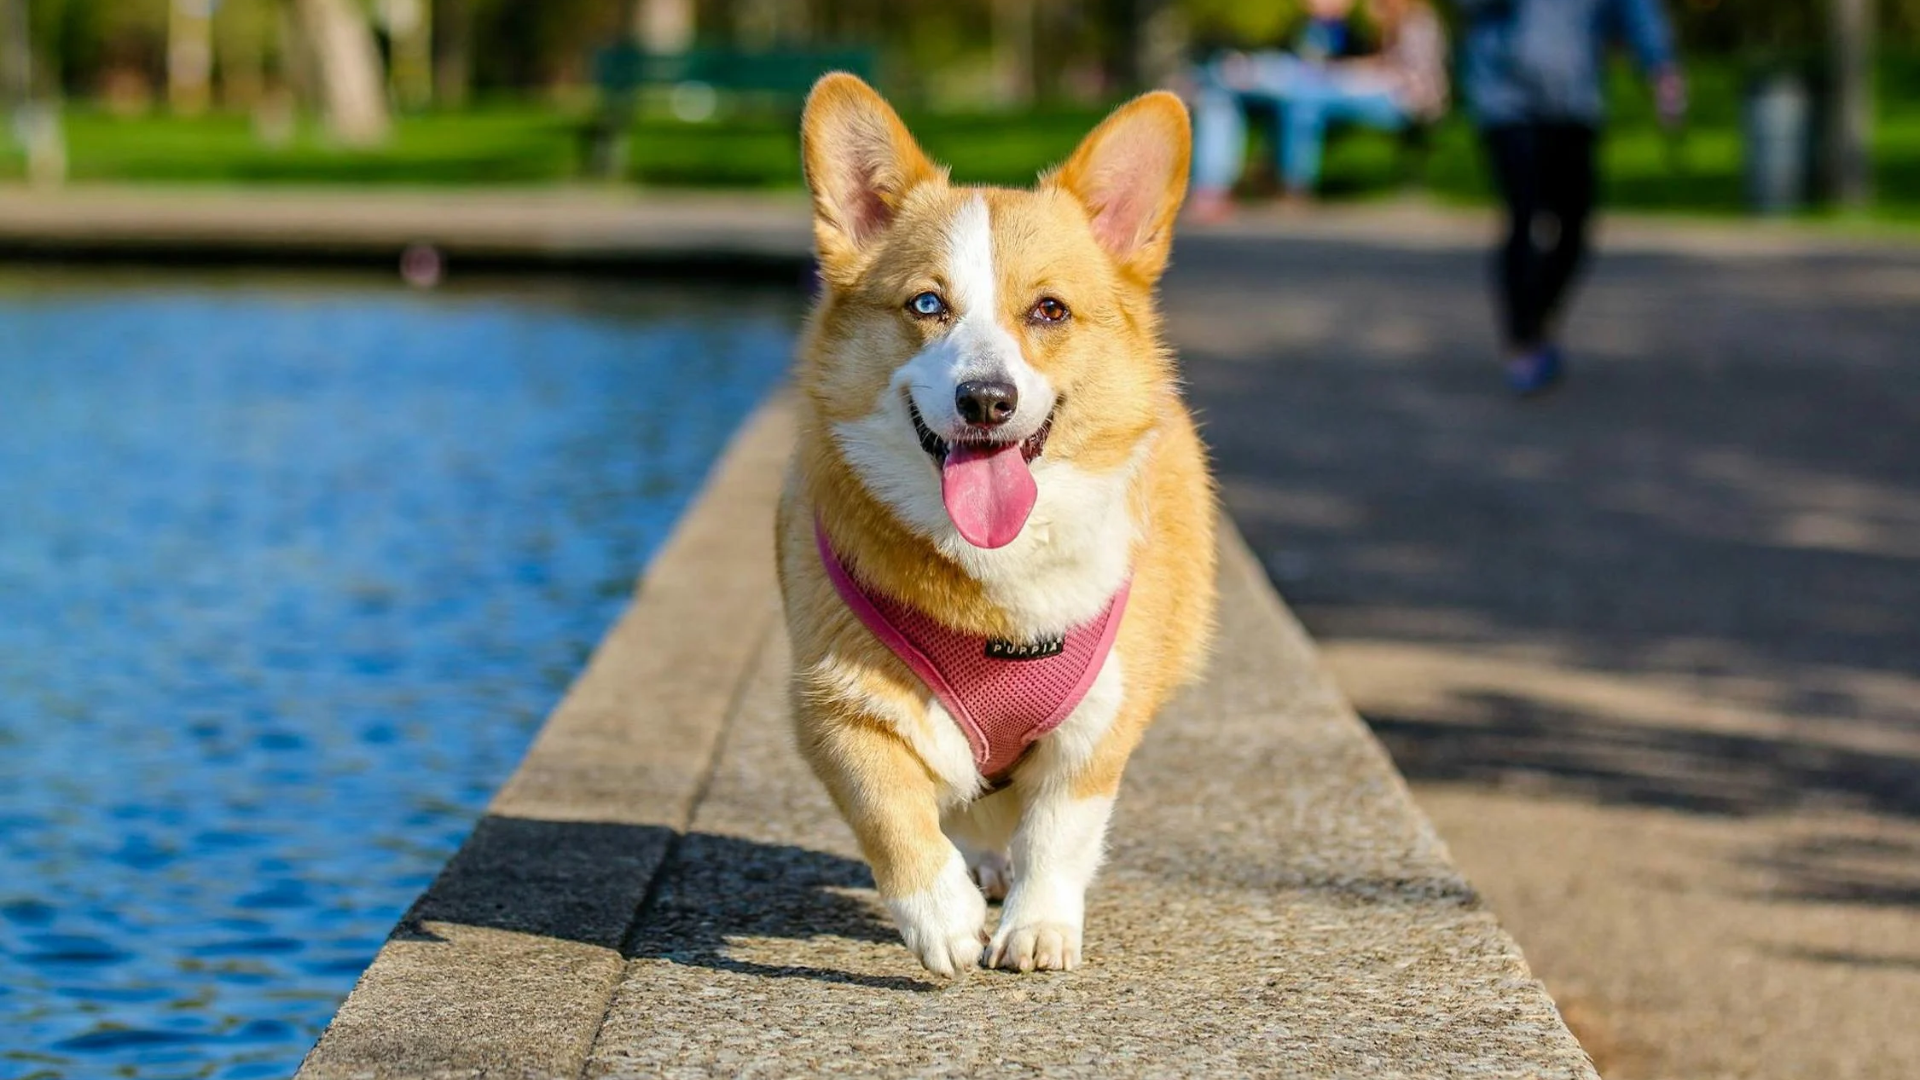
(1613, 761)
(571, 880)
(585, 882)
(1875, 871)
(1725, 496)
(1850, 959)
(718, 888)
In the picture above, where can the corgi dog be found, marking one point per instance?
(995, 542)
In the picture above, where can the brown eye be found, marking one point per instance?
(1049, 310)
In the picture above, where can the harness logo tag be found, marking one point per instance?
(1032, 650)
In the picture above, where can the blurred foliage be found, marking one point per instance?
(513, 142)
(936, 50)
(528, 65)
(1240, 23)
(1747, 27)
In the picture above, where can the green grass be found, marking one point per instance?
(518, 143)
(488, 146)
(527, 143)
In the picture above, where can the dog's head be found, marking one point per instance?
(976, 345)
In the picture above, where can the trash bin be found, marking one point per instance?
(1778, 131)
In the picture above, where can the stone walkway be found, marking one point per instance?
(663, 890)
(1647, 649)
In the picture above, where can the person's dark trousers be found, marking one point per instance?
(1545, 172)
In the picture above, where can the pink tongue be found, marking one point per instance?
(988, 491)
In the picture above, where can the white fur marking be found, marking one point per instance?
(978, 346)
(947, 752)
(932, 733)
(1058, 845)
(1056, 852)
(970, 271)
(943, 925)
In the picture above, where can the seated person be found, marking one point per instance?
(1325, 81)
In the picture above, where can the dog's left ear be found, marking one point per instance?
(1131, 174)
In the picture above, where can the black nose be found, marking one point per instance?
(986, 404)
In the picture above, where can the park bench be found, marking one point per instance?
(774, 79)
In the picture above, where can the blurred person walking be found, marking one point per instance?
(1533, 72)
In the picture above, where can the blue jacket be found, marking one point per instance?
(1542, 60)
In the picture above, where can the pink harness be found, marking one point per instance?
(1004, 695)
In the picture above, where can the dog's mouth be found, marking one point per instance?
(984, 482)
(938, 448)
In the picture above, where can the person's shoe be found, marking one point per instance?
(1535, 372)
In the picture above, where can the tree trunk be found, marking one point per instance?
(768, 24)
(189, 56)
(1013, 50)
(1162, 48)
(240, 36)
(348, 65)
(1047, 72)
(16, 55)
(663, 27)
(1850, 120)
(1120, 37)
(297, 64)
(409, 25)
(453, 53)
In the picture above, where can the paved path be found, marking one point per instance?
(1648, 650)
(663, 890)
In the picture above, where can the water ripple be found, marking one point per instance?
(288, 576)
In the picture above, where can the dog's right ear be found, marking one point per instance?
(860, 163)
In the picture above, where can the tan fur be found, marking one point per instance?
(881, 210)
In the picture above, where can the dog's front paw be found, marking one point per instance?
(1035, 946)
(945, 925)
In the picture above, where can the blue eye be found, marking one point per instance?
(927, 305)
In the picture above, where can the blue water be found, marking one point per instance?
(289, 575)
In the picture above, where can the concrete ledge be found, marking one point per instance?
(731, 234)
(586, 229)
(505, 966)
(683, 234)
(663, 889)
